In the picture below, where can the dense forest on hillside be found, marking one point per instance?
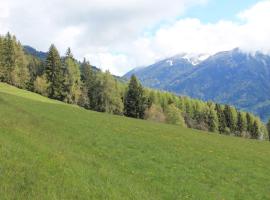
(68, 80)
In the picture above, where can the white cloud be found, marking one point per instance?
(112, 33)
(250, 33)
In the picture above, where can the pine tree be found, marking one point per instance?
(240, 124)
(135, 103)
(72, 83)
(255, 132)
(228, 113)
(249, 123)
(89, 81)
(221, 119)
(54, 74)
(8, 59)
(268, 128)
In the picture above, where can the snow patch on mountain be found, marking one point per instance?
(196, 59)
(170, 62)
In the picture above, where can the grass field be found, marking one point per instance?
(50, 150)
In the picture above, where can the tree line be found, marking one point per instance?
(68, 80)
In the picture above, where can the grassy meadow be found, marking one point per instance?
(51, 150)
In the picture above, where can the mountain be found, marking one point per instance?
(32, 51)
(52, 150)
(231, 77)
(160, 74)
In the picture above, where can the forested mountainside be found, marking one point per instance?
(232, 77)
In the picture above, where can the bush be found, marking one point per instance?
(155, 113)
(174, 116)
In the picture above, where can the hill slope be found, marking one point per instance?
(50, 150)
(231, 77)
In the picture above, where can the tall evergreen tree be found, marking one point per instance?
(268, 128)
(72, 83)
(228, 113)
(8, 59)
(240, 124)
(212, 119)
(54, 74)
(134, 103)
(249, 123)
(255, 132)
(221, 119)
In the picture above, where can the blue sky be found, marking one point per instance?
(215, 10)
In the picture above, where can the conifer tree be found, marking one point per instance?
(255, 132)
(249, 123)
(72, 77)
(135, 103)
(8, 59)
(54, 74)
(268, 128)
(212, 119)
(228, 113)
(221, 119)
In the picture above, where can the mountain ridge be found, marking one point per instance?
(228, 77)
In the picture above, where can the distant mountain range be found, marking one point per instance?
(231, 77)
(32, 51)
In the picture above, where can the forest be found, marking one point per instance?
(66, 79)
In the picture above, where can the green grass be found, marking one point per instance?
(50, 150)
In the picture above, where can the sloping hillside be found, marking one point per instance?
(51, 150)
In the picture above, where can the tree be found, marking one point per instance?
(7, 59)
(174, 116)
(89, 82)
(135, 102)
(212, 119)
(72, 83)
(155, 113)
(110, 99)
(54, 74)
(20, 75)
(240, 124)
(229, 118)
(268, 128)
(221, 119)
(255, 132)
(250, 122)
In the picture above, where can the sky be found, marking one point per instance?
(120, 35)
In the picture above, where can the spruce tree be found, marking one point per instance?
(72, 77)
(249, 123)
(228, 113)
(54, 74)
(268, 128)
(8, 59)
(221, 119)
(240, 124)
(134, 104)
(255, 132)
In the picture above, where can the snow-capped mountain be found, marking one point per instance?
(232, 77)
